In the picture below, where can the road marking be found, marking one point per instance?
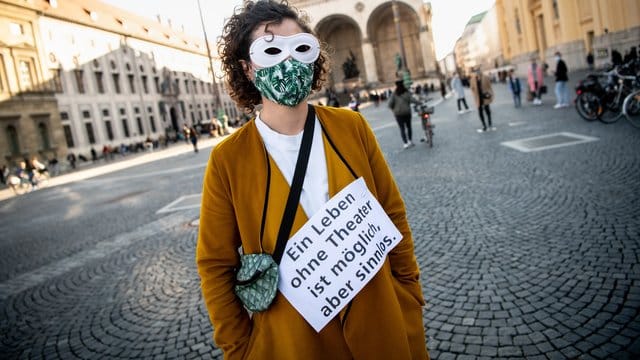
(182, 203)
(550, 141)
(100, 250)
(517, 123)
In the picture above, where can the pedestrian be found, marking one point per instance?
(193, 138)
(483, 96)
(513, 82)
(456, 84)
(71, 158)
(186, 131)
(400, 103)
(590, 60)
(384, 319)
(4, 173)
(443, 89)
(535, 79)
(561, 73)
(354, 104)
(94, 155)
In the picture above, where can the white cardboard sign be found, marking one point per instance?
(336, 253)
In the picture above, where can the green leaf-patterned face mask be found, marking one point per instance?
(287, 83)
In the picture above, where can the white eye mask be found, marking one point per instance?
(269, 50)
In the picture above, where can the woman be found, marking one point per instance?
(483, 96)
(264, 44)
(535, 79)
(400, 103)
(456, 84)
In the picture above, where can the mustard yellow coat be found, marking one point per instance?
(384, 320)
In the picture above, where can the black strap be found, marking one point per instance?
(296, 185)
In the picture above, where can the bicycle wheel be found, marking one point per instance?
(430, 136)
(611, 109)
(631, 108)
(588, 106)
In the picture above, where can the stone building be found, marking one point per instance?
(29, 118)
(479, 44)
(539, 28)
(111, 77)
(367, 30)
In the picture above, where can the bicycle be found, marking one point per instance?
(616, 92)
(425, 111)
(631, 108)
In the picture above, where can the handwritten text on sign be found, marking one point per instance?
(335, 254)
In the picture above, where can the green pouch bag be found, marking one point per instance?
(257, 281)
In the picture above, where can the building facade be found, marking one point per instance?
(480, 44)
(539, 28)
(114, 77)
(366, 31)
(29, 118)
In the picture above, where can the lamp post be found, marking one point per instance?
(406, 76)
(216, 92)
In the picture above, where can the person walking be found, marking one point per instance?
(193, 138)
(590, 61)
(400, 104)
(535, 79)
(243, 201)
(561, 73)
(456, 84)
(514, 88)
(483, 96)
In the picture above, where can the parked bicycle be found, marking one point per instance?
(602, 95)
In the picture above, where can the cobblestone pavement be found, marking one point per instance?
(523, 255)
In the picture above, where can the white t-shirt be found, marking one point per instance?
(284, 151)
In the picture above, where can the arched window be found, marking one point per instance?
(12, 138)
(44, 136)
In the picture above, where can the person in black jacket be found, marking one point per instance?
(562, 93)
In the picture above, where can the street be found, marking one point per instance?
(523, 254)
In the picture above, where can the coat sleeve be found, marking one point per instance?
(217, 258)
(404, 265)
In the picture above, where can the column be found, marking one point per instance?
(370, 66)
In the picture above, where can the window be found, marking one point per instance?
(79, 75)
(152, 122)
(186, 86)
(139, 123)
(12, 137)
(56, 80)
(25, 69)
(202, 87)
(44, 136)
(116, 83)
(90, 135)
(556, 11)
(144, 84)
(105, 112)
(518, 29)
(16, 29)
(195, 86)
(86, 114)
(125, 127)
(156, 81)
(107, 125)
(136, 110)
(99, 82)
(132, 84)
(123, 111)
(68, 136)
(64, 115)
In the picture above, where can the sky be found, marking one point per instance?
(449, 16)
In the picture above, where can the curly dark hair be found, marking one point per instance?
(234, 43)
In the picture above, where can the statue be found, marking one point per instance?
(349, 67)
(398, 60)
